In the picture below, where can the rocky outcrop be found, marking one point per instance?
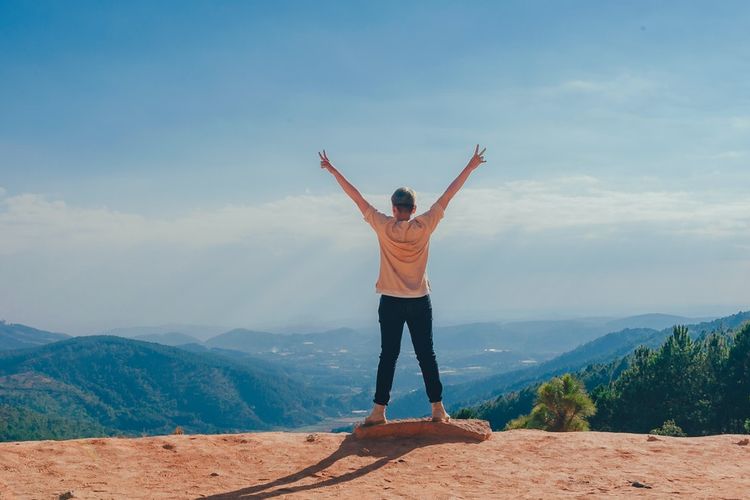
(471, 429)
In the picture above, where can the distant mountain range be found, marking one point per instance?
(523, 336)
(655, 321)
(200, 332)
(343, 361)
(553, 336)
(544, 336)
(15, 336)
(168, 338)
(252, 341)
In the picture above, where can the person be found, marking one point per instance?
(403, 284)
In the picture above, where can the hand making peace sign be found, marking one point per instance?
(324, 162)
(478, 158)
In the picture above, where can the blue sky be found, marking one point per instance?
(158, 159)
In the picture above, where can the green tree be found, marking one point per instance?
(562, 405)
(736, 400)
(681, 382)
(674, 382)
(714, 358)
(628, 403)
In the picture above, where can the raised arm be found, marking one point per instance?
(476, 160)
(350, 190)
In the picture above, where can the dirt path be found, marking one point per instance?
(525, 464)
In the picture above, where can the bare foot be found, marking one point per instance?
(377, 416)
(439, 414)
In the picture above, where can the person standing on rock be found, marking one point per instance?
(403, 284)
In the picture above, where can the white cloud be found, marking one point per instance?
(729, 155)
(91, 268)
(597, 210)
(619, 87)
(30, 222)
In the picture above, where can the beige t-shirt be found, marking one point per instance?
(404, 247)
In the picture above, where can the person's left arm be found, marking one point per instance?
(476, 160)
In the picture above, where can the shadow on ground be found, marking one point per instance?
(385, 449)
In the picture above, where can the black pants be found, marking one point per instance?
(417, 314)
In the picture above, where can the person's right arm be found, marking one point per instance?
(348, 188)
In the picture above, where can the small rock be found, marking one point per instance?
(66, 496)
(214, 474)
(168, 446)
(473, 429)
(743, 442)
(312, 437)
(653, 438)
(638, 484)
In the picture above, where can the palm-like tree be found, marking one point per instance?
(562, 405)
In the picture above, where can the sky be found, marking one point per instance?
(158, 160)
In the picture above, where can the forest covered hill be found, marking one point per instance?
(17, 336)
(689, 384)
(132, 387)
(605, 349)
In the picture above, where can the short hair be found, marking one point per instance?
(404, 198)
